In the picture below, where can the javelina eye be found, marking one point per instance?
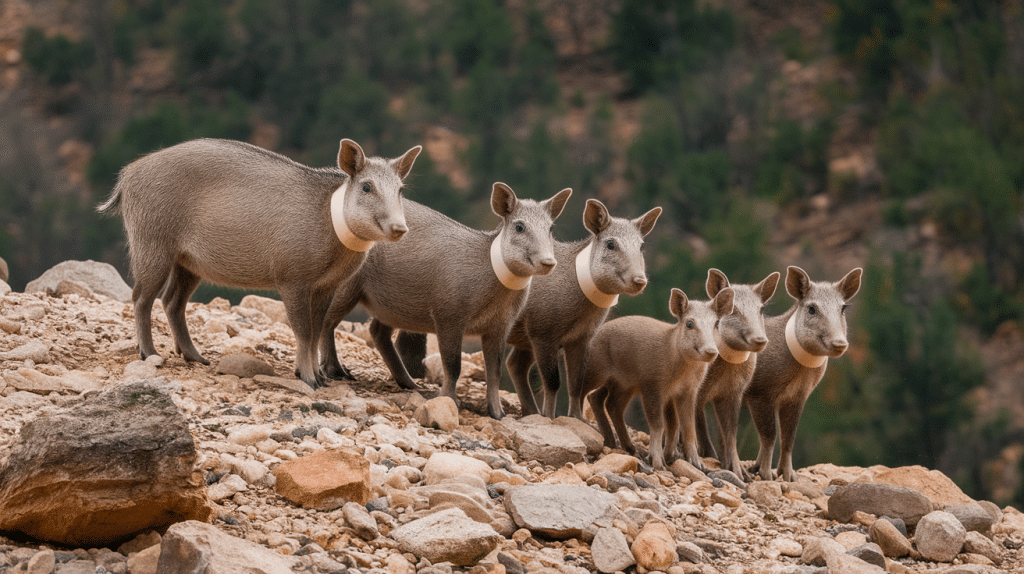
(610, 245)
(689, 324)
(520, 227)
(811, 310)
(367, 188)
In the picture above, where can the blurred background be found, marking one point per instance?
(887, 134)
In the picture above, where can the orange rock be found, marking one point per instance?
(325, 480)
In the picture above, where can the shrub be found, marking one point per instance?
(58, 59)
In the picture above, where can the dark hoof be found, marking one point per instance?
(338, 373)
(409, 385)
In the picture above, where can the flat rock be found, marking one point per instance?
(102, 470)
(447, 536)
(243, 366)
(588, 434)
(141, 542)
(557, 510)
(35, 351)
(325, 480)
(891, 541)
(935, 485)
(878, 499)
(870, 553)
(536, 438)
(272, 308)
(294, 385)
(974, 516)
(766, 493)
(817, 551)
(977, 543)
(99, 278)
(444, 465)
(439, 412)
(683, 469)
(360, 520)
(610, 551)
(939, 536)
(193, 547)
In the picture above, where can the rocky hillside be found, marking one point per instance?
(112, 464)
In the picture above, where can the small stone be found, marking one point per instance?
(243, 366)
(616, 463)
(819, 550)
(891, 541)
(144, 561)
(977, 543)
(682, 469)
(973, 516)
(227, 487)
(325, 480)
(35, 351)
(42, 563)
(444, 465)
(654, 548)
(140, 542)
(786, 547)
(878, 499)
(870, 553)
(851, 539)
(8, 326)
(590, 436)
(397, 564)
(939, 536)
(440, 413)
(726, 499)
(689, 551)
(767, 493)
(610, 550)
(360, 520)
(557, 510)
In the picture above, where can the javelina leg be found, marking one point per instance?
(575, 370)
(789, 419)
(762, 412)
(149, 280)
(657, 410)
(727, 412)
(671, 430)
(519, 362)
(547, 364)
(685, 411)
(382, 338)
(342, 303)
(615, 404)
(299, 303)
(179, 289)
(449, 344)
(597, 401)
(704, 445)
(494, 348)
(412, 348)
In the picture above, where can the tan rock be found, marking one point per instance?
(196, 547)
(889, 539)
(935, 485)
(851, 539)
(325, 480)
(144, 561)
(444, 465)
(279, 383)
(654, 548)
(683, 469)
(440, 413)
(447, 536)
(272, 308)
(616, 463)
(140, 543)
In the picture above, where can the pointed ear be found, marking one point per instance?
(503, 200)
(798, 284)
(645, 223)
(849, 285)
(766, 288)
(677, 303)
(351, 158)
(403, 165)
(716, 282)
(556, 204)
(596, 217)
(722, 303)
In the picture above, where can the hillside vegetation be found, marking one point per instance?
(887, 134)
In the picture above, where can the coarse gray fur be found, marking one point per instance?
(780, 385)
(662, 362)
(558, 315)
(441, 281)
(242, 216)
(724, 384)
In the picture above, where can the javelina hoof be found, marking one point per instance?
(338, 373)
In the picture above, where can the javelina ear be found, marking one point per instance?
(503, 200)
(595, 217)
(716, 282)
(677, 303)
(766, 288)
(798, 284)
(722, 303)
(351, 158)
(403, 165)
(556, 203)
(849, 285)
(645, 223)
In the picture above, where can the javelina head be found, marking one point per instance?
(743, 329)
(616, 259)
(820, 317)
(527, 247)
(373, 200)
(694, 331)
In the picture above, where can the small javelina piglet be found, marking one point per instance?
(662, 362)
(800, 342)
(740, 336)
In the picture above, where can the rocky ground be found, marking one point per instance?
(364, 477)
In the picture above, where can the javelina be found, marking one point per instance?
(242, 216)
(800, 342)
(452, 280)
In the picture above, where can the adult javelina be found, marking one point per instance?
(242, 216)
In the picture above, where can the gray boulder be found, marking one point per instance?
(99, 278)
(939, 536)
(878, 499)
(557, 510)
(193, 547)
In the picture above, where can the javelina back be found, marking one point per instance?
(242, 216)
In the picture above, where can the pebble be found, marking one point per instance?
(939, 536)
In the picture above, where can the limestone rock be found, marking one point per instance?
(848, 564)
(892, 542)
(683, 469)
(588, 434)
(272, 308)
(616, 463)
(102, 470)
(654, 548)
(444, 465)
(870, 553)
(325, 480)
(818, 551)
(878, 499)
(145, 561)
(766, 493)
(100, 278)
(69, 287)
(141, 542)
(977, 543)
(610, 551)
(360, 520)
(935, 485)
(557, 510)
(227, 487)
(974, 516)
(42, 563)
(536, 438)
(243, 366)
(939, 536)
(35, 351)
(440, 413)
(447, 536)
(294, 385)
(194, 547)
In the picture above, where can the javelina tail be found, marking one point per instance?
(110, 205)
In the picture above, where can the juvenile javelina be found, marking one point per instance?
(740, 336)
(566, 306)
(663, 362)
(242, 216)
(800, 342)
(451, 280)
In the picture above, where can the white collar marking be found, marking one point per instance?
(348, 239)
(799, 353)
(586, 280)
(727, 353)
(505, 275)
